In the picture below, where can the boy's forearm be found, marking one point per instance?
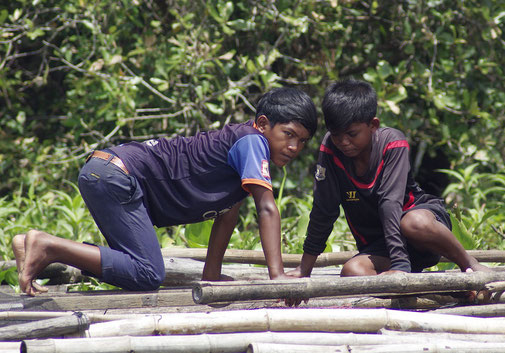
(271, 243)
(222, 229)
(307, 264)
(269, 223)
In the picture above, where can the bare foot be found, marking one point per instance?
(31, 258)
(18, 247)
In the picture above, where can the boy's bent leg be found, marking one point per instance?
(426, 233)
(42, 249)
(365, 265)
(115, 200)
(18, 247)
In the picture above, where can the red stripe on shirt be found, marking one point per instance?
(391, 145)
(355, 232)
(410, 202)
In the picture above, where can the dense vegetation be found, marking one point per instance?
(77, 75)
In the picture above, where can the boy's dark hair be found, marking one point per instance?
(286, 104)
(347, 102)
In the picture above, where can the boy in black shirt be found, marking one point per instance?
(366, 169)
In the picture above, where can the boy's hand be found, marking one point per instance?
(284, 276)
(297, 273)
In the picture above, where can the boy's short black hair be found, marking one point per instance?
(285, 105)
(348, 101)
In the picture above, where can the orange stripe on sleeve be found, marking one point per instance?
(256, 182)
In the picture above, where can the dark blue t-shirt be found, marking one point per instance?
(191, 179)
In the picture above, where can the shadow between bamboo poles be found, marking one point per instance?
(213, 292)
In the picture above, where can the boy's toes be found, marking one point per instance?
(39, 288)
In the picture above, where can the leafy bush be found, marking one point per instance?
(79, 75)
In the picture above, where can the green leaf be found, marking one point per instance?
(214, 108)
(462, 234)
(198, 234)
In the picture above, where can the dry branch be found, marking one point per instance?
(207, 292)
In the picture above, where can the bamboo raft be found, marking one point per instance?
(427, 312)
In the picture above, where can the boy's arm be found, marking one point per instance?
(325, 210)
(270, 229)
(305, 267)
(391, 194)
(220, 235)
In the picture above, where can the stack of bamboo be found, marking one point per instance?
(249, 315)
(263, 330)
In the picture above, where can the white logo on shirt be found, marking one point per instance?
(151, 143)
(265, 172)
(213, 214)
(320, 173)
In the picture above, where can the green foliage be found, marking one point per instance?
(56, 212)
(77, 75)
(477, 199)
(92, 285)
(9, 276)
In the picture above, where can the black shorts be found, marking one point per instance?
(419, 260)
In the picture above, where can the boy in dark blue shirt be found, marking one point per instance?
(131, 187)
(365, 169)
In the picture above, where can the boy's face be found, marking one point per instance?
(356, 140)
(285, 140)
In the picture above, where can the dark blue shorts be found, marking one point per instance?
(133, 259)
(419, 260)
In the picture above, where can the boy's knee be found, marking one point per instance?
(416, 222)
(152, 278)
(354, 268)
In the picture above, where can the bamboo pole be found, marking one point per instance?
(261, 347)
(488, 310)
(68, 273)
(59, 273)
(310, 320)
(293, 260)
(390, 348)
(204, 343)
(207, 292)
(10, 347)
(6, 316)
(496, 286)
(428, 336)
(45, 328)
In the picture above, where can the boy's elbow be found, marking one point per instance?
(268, 211)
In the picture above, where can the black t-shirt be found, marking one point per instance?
(191, 179)
(373, 204)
